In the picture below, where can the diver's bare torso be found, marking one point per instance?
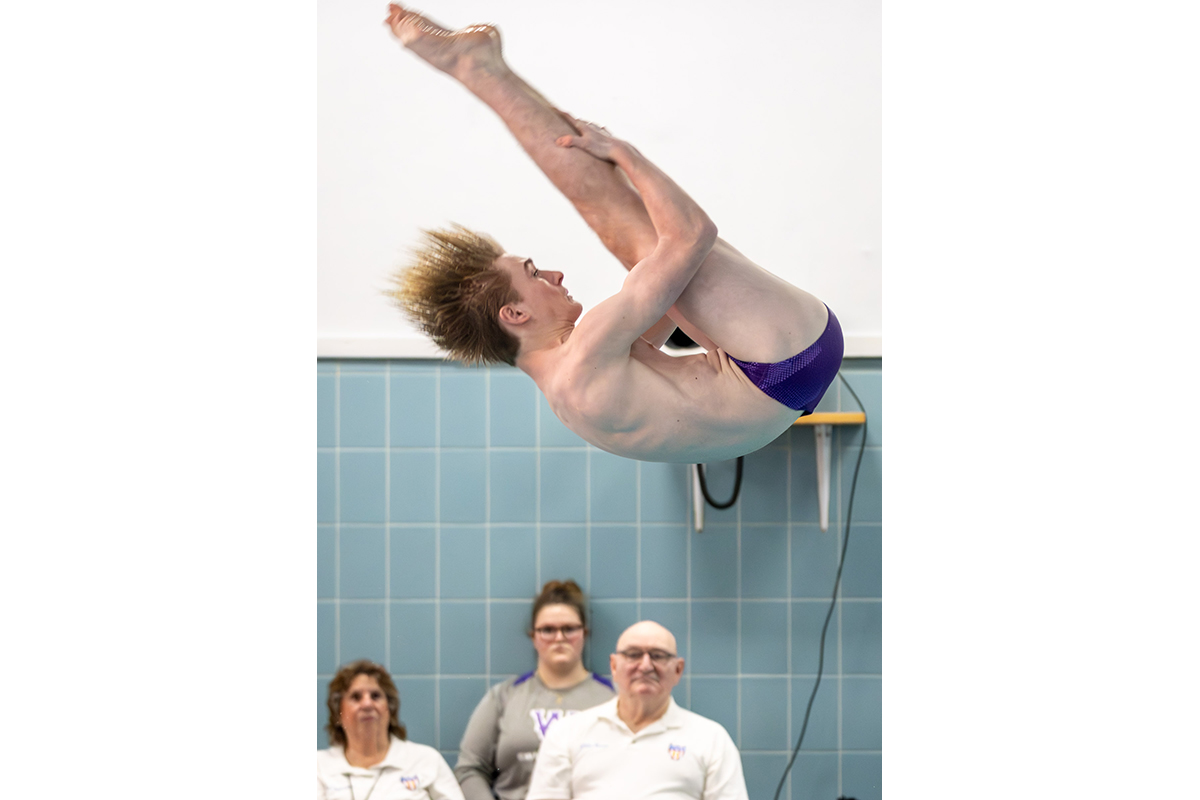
(657, 407)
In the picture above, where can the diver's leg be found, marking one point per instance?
(609, 205)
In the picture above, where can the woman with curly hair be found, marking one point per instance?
(371, 756)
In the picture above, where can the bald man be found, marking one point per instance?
(640, 744)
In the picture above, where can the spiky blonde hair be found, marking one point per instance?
(453, 294)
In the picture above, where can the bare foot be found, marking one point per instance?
(453, 52)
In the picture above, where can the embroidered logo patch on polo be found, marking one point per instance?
(676, 751)
(410, 783)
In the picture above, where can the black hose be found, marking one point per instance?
(837, 580)
(737, 485)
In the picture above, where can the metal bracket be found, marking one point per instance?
(824, 435)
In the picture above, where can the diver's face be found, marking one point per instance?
(542, 292)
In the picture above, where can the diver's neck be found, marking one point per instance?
(539, 353)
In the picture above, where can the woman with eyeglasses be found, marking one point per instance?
(495, 758)
(371, 757)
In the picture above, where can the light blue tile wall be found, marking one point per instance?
(447, 495)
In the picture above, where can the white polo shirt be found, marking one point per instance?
(680, 756)
(410, 771)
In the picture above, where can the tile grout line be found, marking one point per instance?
(788, 588)
(589, 656)
(337, 515)
(487, 529)
(437, 556)
(689, 534)
(703, 676)
(748, 526)
(587, 530)
(637, 516)
(838, 605)
(738, 628)
(508, 449)
(537, 494)
(637, 564)
(823, 601)
(387, 515)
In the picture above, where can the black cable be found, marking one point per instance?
(833, 600)
(737, 485)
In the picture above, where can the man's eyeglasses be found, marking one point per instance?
(657, 656)
(552, 631)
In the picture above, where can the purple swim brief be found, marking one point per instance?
(800, 382)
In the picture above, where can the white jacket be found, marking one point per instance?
(410, 771)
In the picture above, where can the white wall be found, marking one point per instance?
(770, 117)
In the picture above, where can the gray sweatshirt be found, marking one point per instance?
(495, 758)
